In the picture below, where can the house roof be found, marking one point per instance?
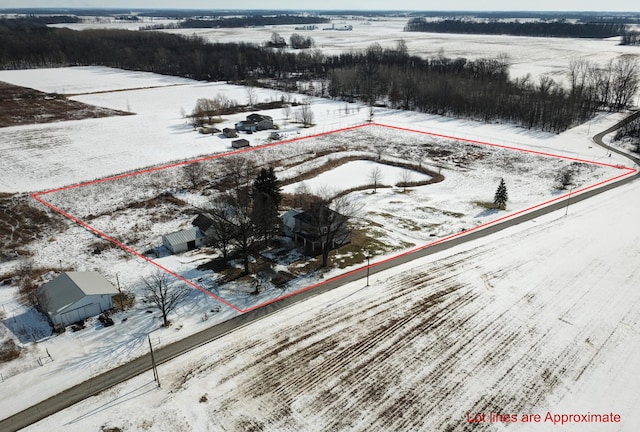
(184, 236)
(203, 222)
(240, 143)
(70, 287)
(258, 117)
(317, 215)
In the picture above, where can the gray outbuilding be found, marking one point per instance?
(75, 296)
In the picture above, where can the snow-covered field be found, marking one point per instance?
(541, 317)
(528, 55)
(37, 157)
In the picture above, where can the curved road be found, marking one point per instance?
(142, 364)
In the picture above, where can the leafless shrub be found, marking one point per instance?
(9, 351)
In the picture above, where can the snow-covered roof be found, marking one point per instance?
(70, 287)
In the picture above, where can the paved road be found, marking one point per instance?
(135, 367)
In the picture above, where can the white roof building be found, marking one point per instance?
(185, 240)
(75, 296)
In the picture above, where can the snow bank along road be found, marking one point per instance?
(443, 298)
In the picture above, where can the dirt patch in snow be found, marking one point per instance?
(22, 105)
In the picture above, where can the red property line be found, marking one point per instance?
(37, 196)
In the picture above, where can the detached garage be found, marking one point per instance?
(185, 240)
(75, 296)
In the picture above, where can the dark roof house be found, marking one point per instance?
(311, 227)
(255, 122)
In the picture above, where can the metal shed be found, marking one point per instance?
(75, 296)
(185, 240)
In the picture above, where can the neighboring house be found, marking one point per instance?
(240, 143)
(254, 123)
(230, 133)
(75, 296)
(247, 126)
(308, 227)
(184, 240)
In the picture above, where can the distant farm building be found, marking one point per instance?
(240, 143)
(230, 133)
(254, 123)
(75, 296)
(184, 240)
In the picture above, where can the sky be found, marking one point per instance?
(539, 5)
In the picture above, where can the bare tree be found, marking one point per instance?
(404, 179)
(160, 293)
(207, 108)
(286, 111)
(375, 176)
(379, 148)
(305, 114)
(194, 174)
(240, 171)
(252, 96)
(625, 82)
(222, 231)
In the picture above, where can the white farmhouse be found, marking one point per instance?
(75, 296)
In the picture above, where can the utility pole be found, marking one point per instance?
(568, 201)
(368, 257)
(156, 378)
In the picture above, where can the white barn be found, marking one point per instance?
(75, 296)
(185, 240)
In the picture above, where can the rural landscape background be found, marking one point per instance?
(115, 130)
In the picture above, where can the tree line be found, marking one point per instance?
(252, 20)
(479, 89)
(516, 28)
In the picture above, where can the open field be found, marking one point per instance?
(529, 55)
(20, 105)
(534, 320)
(41, 157)
(398, 218)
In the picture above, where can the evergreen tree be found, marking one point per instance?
(268, 183)
(266, 200)
(501, 196)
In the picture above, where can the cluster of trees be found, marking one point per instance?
(478, 89)
(630, 38)
(631, 133)
(612, 86)
(300, 42)
(206, 109)
(296, 41)
(536, 28)
(481, 88)
(245, 218)
(252, 20)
